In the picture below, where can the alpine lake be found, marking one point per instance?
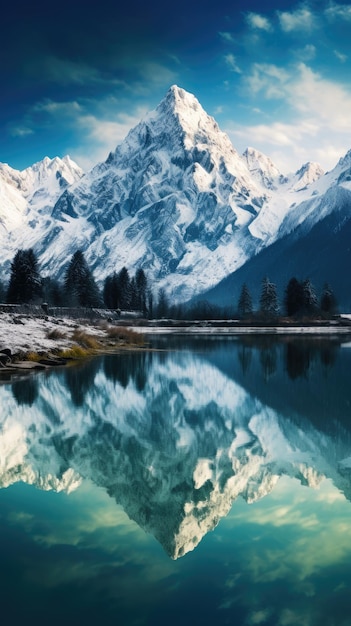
(204, 481)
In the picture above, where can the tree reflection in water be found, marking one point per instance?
(80, 378)
(128, 367)
(26, 391)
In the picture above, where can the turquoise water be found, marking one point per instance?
(205, 483)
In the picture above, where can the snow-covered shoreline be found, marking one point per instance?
(22, 334)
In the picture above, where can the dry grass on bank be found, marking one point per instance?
(124, 334)
(32, 356)
(75, 352)
(112, 337)
(83, 339)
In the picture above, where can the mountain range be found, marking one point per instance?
(178, 200)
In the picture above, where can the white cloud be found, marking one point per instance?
(313, 124)
(291, 145)
(307, 53)
(232, 64)
(258, 21)
(37, 115)
(68, 72)
(276, 134)
(259, 617)
(306, 92)
(339, 55)
(57, 108)
(103, 135)
(300, 20)
(147, 74)
(112, 131)
(21, 131)
(227, 37)
(268, 79)
(156, 74)
(328, 102)
(338, 11)
(98, 126)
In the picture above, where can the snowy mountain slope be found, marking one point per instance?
(27, 198)
(44, 181)
(290, 191)
(175, 454)
(313, 240)
(305, 176)
(13, 207)
(175, 198)
(318, 248)
(263, 169)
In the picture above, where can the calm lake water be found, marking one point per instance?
(206, 482)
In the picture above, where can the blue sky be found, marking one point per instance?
(76, 77)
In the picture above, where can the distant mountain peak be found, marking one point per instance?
(310, 166)
(262, 168)
(307, 174)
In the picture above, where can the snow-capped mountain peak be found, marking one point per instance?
(27, 197)
(306, 175)
(198, 126)
(263, 168)
(43, 173)
(173, 196)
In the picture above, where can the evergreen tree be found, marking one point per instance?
(125, 290)
(245, 302)
(141, 284)
(134, 298)
(150, 303)
(328, 300)
(162, 304)
(79, 284)
(52, 292)
(111, 292)
(107, 292)
(2, 292)
(25, 284)
(294, 297)
(310, 302)
(269, 300)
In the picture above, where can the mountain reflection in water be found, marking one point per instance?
(176, 436)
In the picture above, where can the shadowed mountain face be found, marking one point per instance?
(176, 437)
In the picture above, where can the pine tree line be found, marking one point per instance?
(78, 288)
(120, 291)
(300, 300)
(124, 292)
